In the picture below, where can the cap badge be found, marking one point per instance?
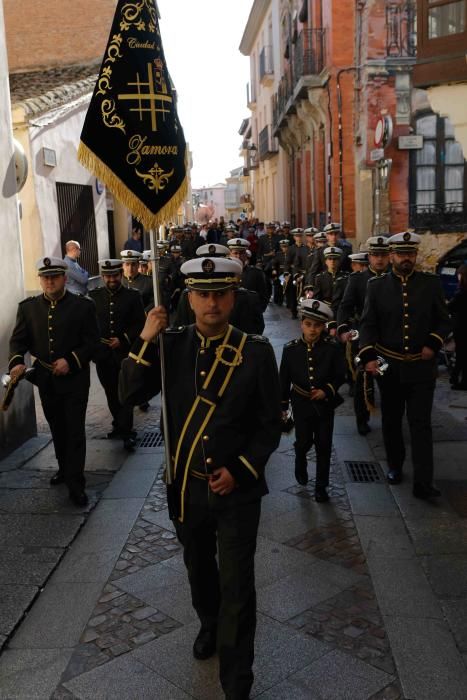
(208, 266)
(129, 254)
(212, 250)
(407, 237)
(380, 240)
(47, 262)
(315, 305)
(107, 263)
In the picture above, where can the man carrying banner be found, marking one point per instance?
(223, 409)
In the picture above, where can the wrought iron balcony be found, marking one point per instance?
(401, 29)
(266, 67)
(267, 144)
(439, 218)
(305, 66)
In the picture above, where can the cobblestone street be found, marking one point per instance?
(362, 598)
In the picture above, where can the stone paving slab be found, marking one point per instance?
(163, 588)
(58, 616)
(333, 677)
(447, 574)
(109, 525)
(22, 670)
(86, 567)
(455, 612)
(36, 501)
(25, 452)
(371, 499)
(124, 678)
(429, 664)
(290, 524)
(402, 588)
(413, 508)
(382, 536)
(129, 483)
(292, 595)
(14, 600)
(49, 530)
(27, 565)
(438, 536)
(101, 455)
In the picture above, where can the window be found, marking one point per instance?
(445, 18)
(441, 42)
(438, 177)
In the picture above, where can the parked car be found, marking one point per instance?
(447, 267)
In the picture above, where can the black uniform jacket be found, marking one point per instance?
(330, 288)
(120, 314)
(245, 427)
(401, 315)
(280, 262)
(246, 314)
(51, 330)
(305, 367)
(143, 284)
(298, 255)
(254, 279)
(351, 307)
(266, 245)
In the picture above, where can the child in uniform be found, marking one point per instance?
(312, 370)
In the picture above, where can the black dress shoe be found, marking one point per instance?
(301, 472)
(129, 444)
(205, 644)
(363, 428)
(57, 479)
(321, 495)
(114, 435)
(79, 498)
(394, 477)
(425, 491)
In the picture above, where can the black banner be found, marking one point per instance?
(132, 138)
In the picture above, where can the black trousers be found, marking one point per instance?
(291, 297)
(108, 373)
(278, 292)
(223, 594)
(362, 414)
(313, 429)
(402, 393)
(66, 415)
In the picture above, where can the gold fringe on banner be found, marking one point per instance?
(124, 195)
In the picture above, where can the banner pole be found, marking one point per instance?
(165, 420)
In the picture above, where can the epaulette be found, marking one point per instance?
(252, 338)
(25, 300)
(291, 343)
(377, 277)
(174, 330)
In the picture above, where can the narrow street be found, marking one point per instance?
(363, 597)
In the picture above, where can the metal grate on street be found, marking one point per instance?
(364, 472)
(154, 439)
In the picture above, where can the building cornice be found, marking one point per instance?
(257, 14)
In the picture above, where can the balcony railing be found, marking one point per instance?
(267, 144)
(307, 60)
(266, 66)
(439, 217)
(401, 29)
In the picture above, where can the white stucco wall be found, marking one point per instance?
(18, 423)
(62, 135)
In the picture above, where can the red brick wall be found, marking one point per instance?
(45, 33)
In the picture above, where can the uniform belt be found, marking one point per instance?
(199, 475)
(301, 392)
(46, 365)
(394, 355)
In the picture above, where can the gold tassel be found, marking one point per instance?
(370, 407)
(349, 358)
(124, 195)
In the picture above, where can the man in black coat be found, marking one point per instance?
(405, 320)
(121, 317)
(60, 330)
(133, 279)
(350, 312)
(252, 277)
(317, 263)
(223, 411)
(329, 286)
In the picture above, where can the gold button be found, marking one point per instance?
(205, 438)
(406, 326)
(201, 352)
(406, 337)
(406, 305)
(50, 328)
(406, 349)
(203, 373)
(50, 316)
(51, 340)
(209, 460)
